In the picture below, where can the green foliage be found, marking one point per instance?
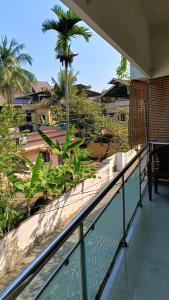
(75, 162)
(90, 122)
(58, 114)
(65, 25)
(63, 151)
(59, 85)
(85, 114)
(122, 72)
(37, 182)
(79, 166)
(9, 214)
(55, 181)
(11, 159)
(12, 76)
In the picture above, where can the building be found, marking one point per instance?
(98, 264)
(116, 100)
(34, 144)
(34, 105)
(86, 89)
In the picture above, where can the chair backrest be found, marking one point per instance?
(162, 154)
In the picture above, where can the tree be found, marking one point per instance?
(12, 76)
(90, 122)
(121, 71)
(11, 158)
(59, 85)
(66, 27)
(11, 161)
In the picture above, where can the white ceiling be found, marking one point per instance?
(138, 29)
(156, 11)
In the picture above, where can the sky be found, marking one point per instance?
(97, 60)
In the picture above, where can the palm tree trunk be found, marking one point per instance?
(67, 96)
(9, 102)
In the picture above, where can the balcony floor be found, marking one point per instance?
(141, 271)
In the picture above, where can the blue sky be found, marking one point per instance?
(97, 60)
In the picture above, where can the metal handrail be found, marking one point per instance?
(36, 265)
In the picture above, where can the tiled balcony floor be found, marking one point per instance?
(142, 270)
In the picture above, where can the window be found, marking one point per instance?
(28, 117)
(123, 117)
(111, 115)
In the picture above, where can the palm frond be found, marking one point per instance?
(50, 25)
(59, 12)
(24, 58)
(12, 76)
(16, 48)
(72, 16)
(76, 31)
(66, 27)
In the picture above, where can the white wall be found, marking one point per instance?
(138, 29)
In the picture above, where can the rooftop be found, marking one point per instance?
(38, 88)
(119, 89)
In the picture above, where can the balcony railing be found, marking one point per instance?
(86, 250)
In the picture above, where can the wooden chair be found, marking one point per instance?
(159, 163)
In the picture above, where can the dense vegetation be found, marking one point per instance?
(40, 178)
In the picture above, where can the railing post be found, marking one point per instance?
(149, 169)
(124, 243)
(82, 265)
(140, 201)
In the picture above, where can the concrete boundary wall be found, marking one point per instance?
(18, 242)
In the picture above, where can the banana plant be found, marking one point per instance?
(75, 161)
(63, 151)
(37, 182)
(80, 166)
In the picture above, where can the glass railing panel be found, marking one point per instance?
(143, 160)
(31, 290)
(66, 284)
(89, 220)
(143, 169)
(101, 244)
(144, 182)
(132, 194)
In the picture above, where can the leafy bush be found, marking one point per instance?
(11, 158)
(9, 214)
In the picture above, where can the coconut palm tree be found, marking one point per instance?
(12, 76)
(59, 85)
(66, 27)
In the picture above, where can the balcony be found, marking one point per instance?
(116, 248)
(79, 263)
